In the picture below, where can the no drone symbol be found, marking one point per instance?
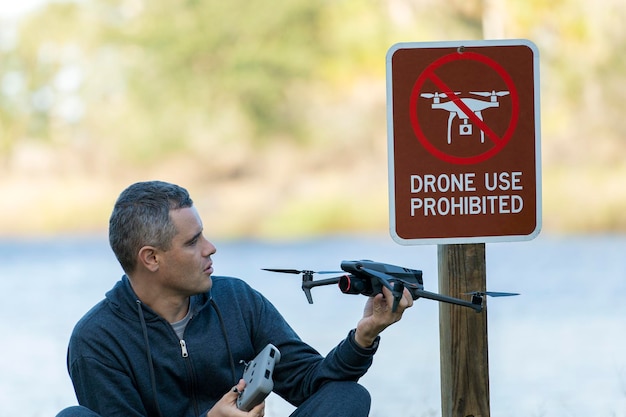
(467, 110)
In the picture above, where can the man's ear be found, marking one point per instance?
(148, 258)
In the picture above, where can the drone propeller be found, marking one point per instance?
(492, 293)
(490, 93)
(436, 94)
(297, 271)
(285, 271)
(433, 95)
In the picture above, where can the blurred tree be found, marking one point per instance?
(188, 65)
(140, 80)
(12, 106)
(161, 73)
(42, 76)
(137, 80)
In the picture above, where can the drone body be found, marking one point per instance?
(368, 278)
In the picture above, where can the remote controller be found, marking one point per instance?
(258, 376)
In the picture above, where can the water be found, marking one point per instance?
(556, 350)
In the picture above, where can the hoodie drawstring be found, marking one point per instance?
(144, 328)
(230, 353)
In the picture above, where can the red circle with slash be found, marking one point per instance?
(430, 74)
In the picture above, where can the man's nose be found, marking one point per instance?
(209, 248)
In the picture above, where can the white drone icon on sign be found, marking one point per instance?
(474, 104)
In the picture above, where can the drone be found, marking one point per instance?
(369, 277)
(473, 104)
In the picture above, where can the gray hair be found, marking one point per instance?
(141, 216)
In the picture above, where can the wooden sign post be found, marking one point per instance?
(463, 333)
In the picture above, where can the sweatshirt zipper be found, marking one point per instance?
(185, 354)
(183, 348)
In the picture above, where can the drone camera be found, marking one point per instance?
(465, 129)
(350, 284)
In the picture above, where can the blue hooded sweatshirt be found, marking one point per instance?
(125, 360)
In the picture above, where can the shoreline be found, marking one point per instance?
(303, 203)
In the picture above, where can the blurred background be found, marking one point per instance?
(273, 115)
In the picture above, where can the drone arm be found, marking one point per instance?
(398, 288)
(307, 285)
(478, 307)
(321, 282)
(382, 278)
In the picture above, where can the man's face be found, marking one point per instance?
(185, 269)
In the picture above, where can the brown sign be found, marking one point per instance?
(464, 141)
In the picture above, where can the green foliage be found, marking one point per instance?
(185, 58)
(168, 76)
(117, 85)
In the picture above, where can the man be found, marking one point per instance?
(169, 339)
